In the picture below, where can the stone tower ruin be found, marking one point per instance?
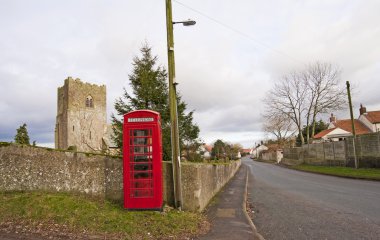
(81, 121)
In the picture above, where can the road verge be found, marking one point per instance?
(63, 215)
(345, 172)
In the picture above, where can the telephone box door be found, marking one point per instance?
(142, 154)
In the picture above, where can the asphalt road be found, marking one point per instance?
(290, 204)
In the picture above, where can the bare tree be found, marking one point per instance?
(279, 125)
(287, 99)
(301, 96)
(329, 93)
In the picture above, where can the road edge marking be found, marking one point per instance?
(254, 229)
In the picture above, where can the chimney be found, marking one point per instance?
(332, 118)
(362, 109)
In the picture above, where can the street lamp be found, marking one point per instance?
(176, 158)
(188, 22)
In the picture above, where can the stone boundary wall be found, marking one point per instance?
(367, 150)
(326, 154)
(269, 156)
(338, 153)
(272, 156)
(25, 168)
(201, 182)
(293, 156)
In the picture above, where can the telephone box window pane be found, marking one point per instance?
(142, 175)
(142, 193)
(140, 141)
(138, 150)
(142, 150)
(142, 167)
(142, 158)
(141, 132)
(145, 184)
(147, 150)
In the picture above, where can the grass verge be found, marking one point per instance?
(361, 173)
(80, 214)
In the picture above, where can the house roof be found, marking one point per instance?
(373, 117)
(260, 147)
(208, 147)
(323, 133)
(246, 150)
(345, 124)
(273, 148)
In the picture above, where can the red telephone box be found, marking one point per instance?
(142, 160)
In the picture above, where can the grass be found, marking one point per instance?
(361, 173)
(88, 154)
(82, 214)
(4, 144)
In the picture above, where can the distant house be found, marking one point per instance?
(274, 153)
(246, 151)
(205, 151)
(370, 119)
(338, 130)
(257, 150)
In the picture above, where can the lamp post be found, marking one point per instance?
(176, 158)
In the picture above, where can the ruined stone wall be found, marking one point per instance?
(26, 168)
(79, 124)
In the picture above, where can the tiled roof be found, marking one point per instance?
(246, 150)
(273, 146)
(323, 133)
(208, 147)
(373, 117)
(360, 128)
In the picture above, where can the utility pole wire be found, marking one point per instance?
(238, 32)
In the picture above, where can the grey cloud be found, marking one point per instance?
(221, 74)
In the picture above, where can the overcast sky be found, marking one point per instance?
(225, 64)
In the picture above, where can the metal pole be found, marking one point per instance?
(352, 123)
(173, 109)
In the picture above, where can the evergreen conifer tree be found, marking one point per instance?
(22, 136)
(150, 91)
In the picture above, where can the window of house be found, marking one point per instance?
(89, 101)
